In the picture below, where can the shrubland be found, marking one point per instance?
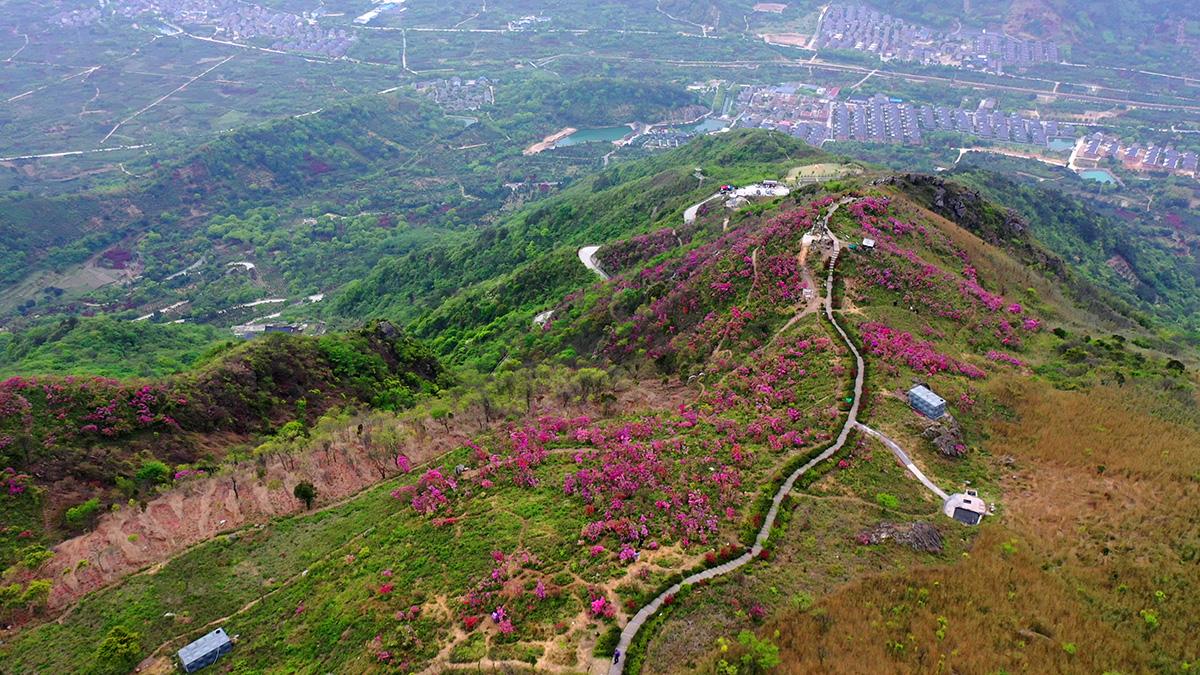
(569, 471)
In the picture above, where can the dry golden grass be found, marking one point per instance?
(1105, 426)
(1109, 494)
(997, 610)
(1085, 570)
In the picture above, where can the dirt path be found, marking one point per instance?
(810, 305)
(635, 624)
(154, 662)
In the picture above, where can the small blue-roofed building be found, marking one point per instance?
(205, 651)
(924, 401)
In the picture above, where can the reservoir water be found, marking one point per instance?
(605, 134)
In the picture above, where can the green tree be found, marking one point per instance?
(119, 651)
(305, 492)
(36, 594)
(152, 472)
(441, 413)
(82, 515)
(10, 596)
(761, 654)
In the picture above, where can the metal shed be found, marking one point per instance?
(205, 651)
(926, 402)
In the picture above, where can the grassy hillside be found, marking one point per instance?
(685, 388)
(295, 207)
(1150, 282)
(493, 283)
(636, 435)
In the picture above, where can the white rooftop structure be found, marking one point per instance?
(966, 508)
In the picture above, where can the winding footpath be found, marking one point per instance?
(636, 622)
(689, 214)
(587, 255)
(905, 460)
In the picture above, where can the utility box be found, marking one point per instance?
(205, 651)
(924, 401)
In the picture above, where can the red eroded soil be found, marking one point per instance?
(199, 509)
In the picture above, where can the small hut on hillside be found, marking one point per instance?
(205, 651)
(924, 401)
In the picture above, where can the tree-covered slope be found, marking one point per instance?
(77, 438)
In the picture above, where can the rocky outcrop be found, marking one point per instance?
(947, 436)
(917, 536)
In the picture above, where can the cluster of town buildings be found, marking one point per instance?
(663, 138)
(859, 28)
(457, 94)
(817, 115)
(245, 21)
(77, 18)
(1094, 148)
(527, 23)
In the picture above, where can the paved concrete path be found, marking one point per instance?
(636, 622)
(689, 214)
(587, 255)
(905, 460)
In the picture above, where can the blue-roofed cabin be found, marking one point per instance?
(205, 651)
(924, 401)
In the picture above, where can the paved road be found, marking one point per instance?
(635, 623)
(689, 214)
(587, 255)
(905, 460)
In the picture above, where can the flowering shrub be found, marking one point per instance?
(501, 591)
(186, 474)
(601, 607)
(901, 348)
(59, 410)
(430, 494)
(628, 554)
(926, 287)
(716, 294)
(622, 255)
(12, 483)
(1001, 357)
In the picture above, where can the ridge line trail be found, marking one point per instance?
(635, 623)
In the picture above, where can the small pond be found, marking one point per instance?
(1061, 144)
(1098, 175)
